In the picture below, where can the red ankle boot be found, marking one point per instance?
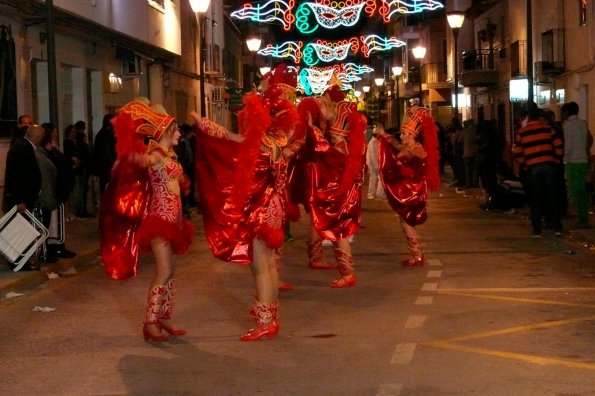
(267, 322)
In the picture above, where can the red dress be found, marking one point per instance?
(164, 218)
(243, 185)
(334, 171)
(403, 175)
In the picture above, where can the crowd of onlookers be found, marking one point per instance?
(552, 160)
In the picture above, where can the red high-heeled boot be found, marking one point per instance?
(345, 267)
(267, 321)
(154, 307)
(417, 256)
(315, 256)
(167, 310)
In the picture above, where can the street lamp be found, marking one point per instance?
(264, 70)
(366, 88)
(418, 53)
(455, 21)
(199, 7)
(397, 71)
(253, 44)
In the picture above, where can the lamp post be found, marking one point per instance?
(253, 44)
(455, 21)
(199, 7)
(397, 71)
(418, 53)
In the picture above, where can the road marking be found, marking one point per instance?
(403, 353)
(545, 361)
(415, 321)
(516, 299)
(435, 262)
(434, 274)
(424, 300)
(521, 289)
(518, 329)
(389, 390)
(429, 287)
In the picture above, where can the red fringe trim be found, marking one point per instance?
(273, 237)
(253, 120)
(357, 151)
(155, 227)
(430, 143)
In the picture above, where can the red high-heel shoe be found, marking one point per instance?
(414, 261)
(344, 281)
(171, 330)
(270, 331)
(150, 337)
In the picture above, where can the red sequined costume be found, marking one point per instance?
(164, 218)
(243, 184)
(134, 197)
(334, 168)
(408, 172)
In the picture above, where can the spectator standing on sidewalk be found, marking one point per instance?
(537, 149)
(22, 178)
(104, 152)
(375, 189)
(577, 146)
(550, 118)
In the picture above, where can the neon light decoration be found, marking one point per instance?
(271, 11)
(344, 13)
(288, 49)
(315, 80)
(328, 14)
(391, 7)
(375, 43)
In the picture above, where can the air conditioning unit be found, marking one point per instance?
(217, 94)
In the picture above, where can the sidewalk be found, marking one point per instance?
(583, 237)
(82, 237)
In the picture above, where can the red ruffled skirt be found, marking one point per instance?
(178, 236)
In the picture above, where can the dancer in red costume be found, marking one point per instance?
(334, 164)
(242, 187)
(407, 170)
(142, 209)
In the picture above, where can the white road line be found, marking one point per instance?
(403, 353)
(415, 321)
(424, 300)
(434, 274)
(429, 287)
(435, 262)
(389, 390)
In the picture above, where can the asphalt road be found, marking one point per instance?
(493, 312)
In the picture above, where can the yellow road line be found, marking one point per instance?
(520, 289)
(516, 299)
(518, 329)
(548, 361)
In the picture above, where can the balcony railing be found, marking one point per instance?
(479, 68)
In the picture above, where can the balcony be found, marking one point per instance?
(479, 68)
(434, 76)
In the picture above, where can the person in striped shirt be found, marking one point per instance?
(538, 150)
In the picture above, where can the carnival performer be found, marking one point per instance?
(243, 188)
(142, 209)
(407, 170)
(334, 161)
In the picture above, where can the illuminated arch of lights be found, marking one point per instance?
(315, 80)
(390, 7)
(328, 14)
(288, 49)
(343, 13)
(375, 43)
(270, 12)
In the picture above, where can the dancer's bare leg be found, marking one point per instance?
(164, 271)
(265, 272)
